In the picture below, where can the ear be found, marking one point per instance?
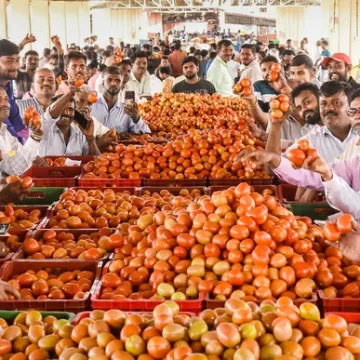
(349, 67)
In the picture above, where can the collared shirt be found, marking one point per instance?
(14, 122)
(352, 150)
(23, 84)
(16, 158)
(116, 118)
(264, 93)
(219, 75)
(64, 88)
(233, 67)
(328, 145)
(24, 104)
(53, 143)
(252, 72)
(142, 87)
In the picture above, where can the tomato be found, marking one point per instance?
(296, 156)
(273, 76)
(276, 114)
(92, 98)
(331, 232)
(303, 144)
(276, 67)
(246, 83)
(274, 104)
(79, 82)
(344, 223)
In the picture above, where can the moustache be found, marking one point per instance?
(308, 114)
(5, 108)
(331, 112)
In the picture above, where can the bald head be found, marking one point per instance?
(44, 83)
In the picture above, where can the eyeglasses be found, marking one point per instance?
(354, 111)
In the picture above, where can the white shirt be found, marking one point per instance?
(233, 67)
(99, 84)
(43, 62)
(16, 158)
(352, 150)
(252, 72)
(218, 74)
(142, 87)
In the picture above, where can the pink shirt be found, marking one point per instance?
(64, 88)
(92, 81)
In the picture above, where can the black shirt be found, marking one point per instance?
(201, 87)
(353, 84)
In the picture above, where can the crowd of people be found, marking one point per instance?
(325, 104)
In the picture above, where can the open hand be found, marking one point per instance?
(6, 289)
(258, 157)
(89, 131)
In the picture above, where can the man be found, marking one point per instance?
(324, 53)
(139, 78)
(15, 158)
(46, 58)
(203, 62)
(252, 69)
(339, 69)
(286, 59)
(62, 137)
(75, 68)
(164, 62)
(192, 83)
(24, 79)
(289, 45)
(302, 69)
(111, 112)
(9, 65)
(176, 59)
(218, 73)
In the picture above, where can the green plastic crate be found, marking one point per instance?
(42, 196)
(9, 316)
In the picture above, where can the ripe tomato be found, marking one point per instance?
(79, 82)
(331, 232)
(246, 83)
(343, 223)
(296, 156)
(276, 114)
(303, 144)
(275, 104)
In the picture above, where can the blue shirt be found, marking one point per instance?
(116, 118)
(14, 122)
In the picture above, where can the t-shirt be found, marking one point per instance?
(264, 93)
(201, 87)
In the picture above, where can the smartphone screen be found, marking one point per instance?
(80, 119)
(129, 97)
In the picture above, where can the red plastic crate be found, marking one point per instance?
(184, 183)
(51, 176)
(214, 304)
(350, 317)
(235, 182)
(172, 190)
(20, 266)
(105, 182)
(194, 306)
(257, 188)
(84, 158)
(37, 235)
(6, 258)
(131, 190)
(346, 305)
(83, 315)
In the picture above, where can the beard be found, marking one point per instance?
(337, 77)
(312, 117)
(190, 76)
(113, 91)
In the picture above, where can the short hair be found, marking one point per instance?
(306, 87)
(213, 55)
(271, 46)
(138, 55)
(355, 94)
(268, 59)
(192, 49)
(325, 42)
(288, 52)
(126, 62)
(262, 53)
(106, 53)
(223, 43)
(54, 56)
(75, 55)
(303, 59)
(288, 40)
(197, 52)
(165, 70)
(330, 88)
(192, 59)
(31, 53)
(46, 52)
(177, 45)
(248, 46)
(146, 46)
(204, 53)
(165, 57)
(92, 65)
(112, 70)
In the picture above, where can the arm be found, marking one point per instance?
(90, 146)
(60, 66)
(28, 39)
(274, 139)
(59, 105)
(14, 117)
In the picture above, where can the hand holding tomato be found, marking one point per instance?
(12, 192)
(5, 289)
(319, 165)
(258, 157)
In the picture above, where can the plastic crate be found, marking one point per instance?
(84, 159)
(86, 314)
(131, 190)
(235, 182)
(320, 210)
(350, 317)
(20, 266)
(37, 235)
(9, 316)
(193, 306)
(257, 188)
(105, 182)
(347, 305)
(52, 176)
(41, 196)
(185, 183)
(214, 304)
(172, 190)
(6, 258)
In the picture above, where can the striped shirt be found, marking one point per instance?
(264, 93)
(116, 118)
(328, 145)
(24, 104)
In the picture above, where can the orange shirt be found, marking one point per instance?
(176, 59)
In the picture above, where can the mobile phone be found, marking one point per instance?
(129, 97)
(80, 119)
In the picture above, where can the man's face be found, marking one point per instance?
(125, 71)
(338, 70)
(4, 105)
(301, 73)
(140, 66)
(32, 62)
(165, 63)
(190, 70)
(225, 53)
(44, 83)
(334, 110)
(287, 60)
(9, 66)
(76, 68)
(307, 106)
(67, 116)
(266, 69)
(112, 84)
(288, 43)
(354, 113)
(247, 56)
(163, 76)
(91, 72)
